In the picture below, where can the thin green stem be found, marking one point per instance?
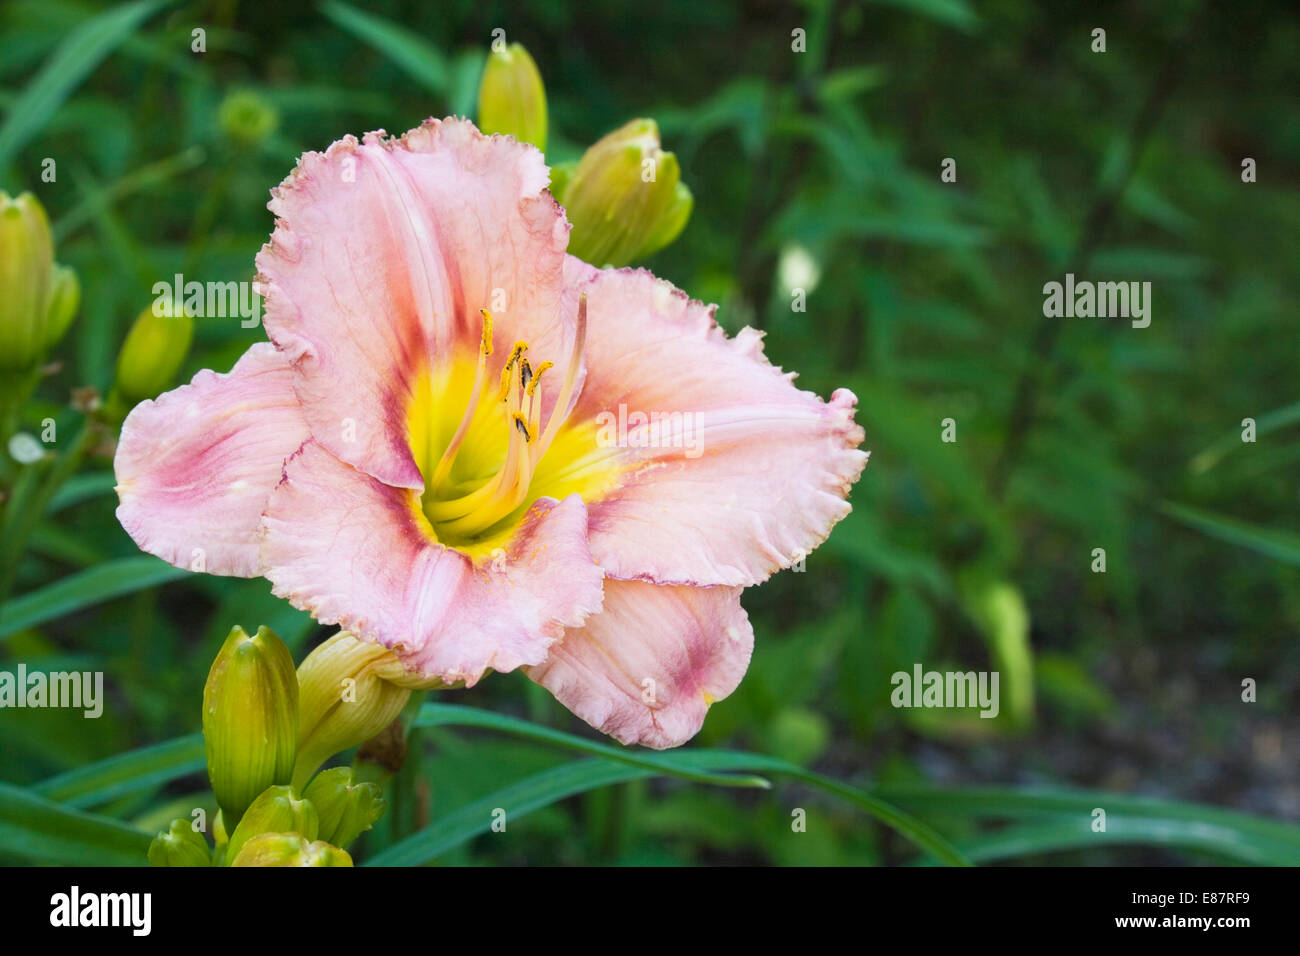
(31, 498)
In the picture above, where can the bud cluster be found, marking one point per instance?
(267, 729)
(624, 197)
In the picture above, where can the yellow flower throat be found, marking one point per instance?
(484, 466)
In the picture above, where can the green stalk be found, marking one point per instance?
(31, 498)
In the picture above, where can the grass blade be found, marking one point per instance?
(74, 60)
(517, 799)
(79, 488)
(38, 829)
(123, 576)
(1135, 820)
(126, 773)
(442, 715)
(422, 61)
(1279, 545)
(1040, 838)
(701, 765)
(1266, 423)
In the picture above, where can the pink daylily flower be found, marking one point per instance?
(424, 452)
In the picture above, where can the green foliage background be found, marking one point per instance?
(924, 297)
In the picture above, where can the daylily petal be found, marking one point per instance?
(646, 668)
(383, 254)
(196, 465)
(358, 553)
(756, 471)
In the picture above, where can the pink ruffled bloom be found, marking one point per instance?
(424, 452)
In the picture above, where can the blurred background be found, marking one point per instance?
(817, 171)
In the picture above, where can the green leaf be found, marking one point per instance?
(1062, 818)
(517, 800)
(81, 487)
(126, 773)
(1268, 422)
(37, 829)
(1280, 545)
(905, 825)
(422, 61)
(443, 715)
(74, 60)
(953, 13)
(1188, 835)
(123, 576)
(694, 765)
(142, 179)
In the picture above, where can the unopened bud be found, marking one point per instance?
(65, 296)
(247, 118)
(250, 719)
(346, 808)
(511, 97)
(179, 845)
(155, 348)
(345, 699)
(625, 199)
(26, 269)
(276, 810)
(289, 849)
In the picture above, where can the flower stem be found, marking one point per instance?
(31, 496)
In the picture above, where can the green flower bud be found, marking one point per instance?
(250, 719)
(247, 118)
(625, 199)
(672, 222)
(346, 698)
(346, 808)
(511, 97)
(154, 349)
(289, 849)
(179, 845)
(220, 839)
(65, 296)
(276, 810)
(561, 174)
(26, 269)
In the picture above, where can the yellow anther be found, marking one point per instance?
(507, 378)
(472, 514)
(537, 376)
(485, 343)
(522, 424)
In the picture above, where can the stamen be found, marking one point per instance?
(480, 372)
(506, 375)
(537, 377)
(459, 508)
(535, 405)
(561, 410)
(504, 492)
(521, 423)
(558, 414)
